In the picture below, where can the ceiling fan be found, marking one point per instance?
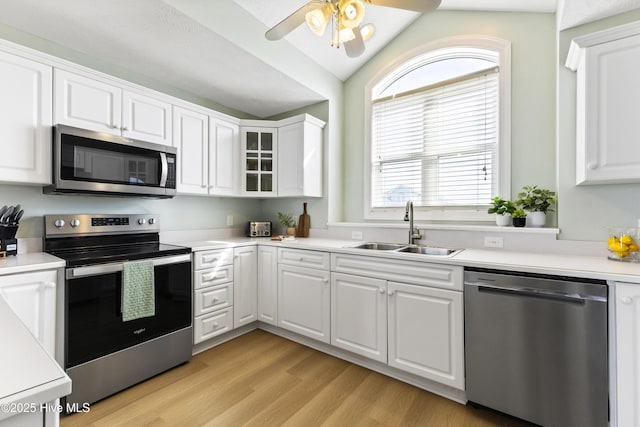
(346, 18)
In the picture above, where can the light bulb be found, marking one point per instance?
(318, 18)
(367, 31)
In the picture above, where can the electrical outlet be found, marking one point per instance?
(356, 235)
(229, 219)
(493, 242)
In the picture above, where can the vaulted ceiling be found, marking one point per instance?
(201, 46)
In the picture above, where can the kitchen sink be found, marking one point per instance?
(378, 246)
(429, 250)
(406, 248)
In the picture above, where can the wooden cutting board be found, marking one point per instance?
(303, 223)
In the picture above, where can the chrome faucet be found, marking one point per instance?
(414, 233)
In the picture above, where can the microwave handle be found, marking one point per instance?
(165, 170)
(97, 270)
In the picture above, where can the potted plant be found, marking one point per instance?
(502, 209)
(536, 201)
(519, 218)
(288, 222)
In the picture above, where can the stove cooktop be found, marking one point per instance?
(77, 257)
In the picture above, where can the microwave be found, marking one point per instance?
(88, 162)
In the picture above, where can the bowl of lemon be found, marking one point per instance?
(622, 244)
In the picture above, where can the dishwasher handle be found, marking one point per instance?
(535, 292)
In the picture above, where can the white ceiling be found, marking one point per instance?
(169, 43)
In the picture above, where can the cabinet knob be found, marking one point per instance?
(125, 128)
(325, 281)
(50, 285)
(592, 166)
(626, 300)
(214, 300)
(382, 291)
(215, 325)
(391, 293)
(112, 126)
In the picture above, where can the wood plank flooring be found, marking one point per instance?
(260, 379)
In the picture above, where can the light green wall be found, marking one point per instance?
(585, 212)
(532, 93)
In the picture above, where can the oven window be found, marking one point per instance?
(96, 161)
(94, 325)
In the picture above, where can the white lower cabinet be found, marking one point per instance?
(426, 332)
(33, 298)
(304, 302)
(627, 307)
(245, 273)
(213, 298)
(268, 285)
(359, 315)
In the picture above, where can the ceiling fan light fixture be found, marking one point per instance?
(318, 18)
(367, 31)
(351, 12)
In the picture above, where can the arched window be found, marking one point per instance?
(436, 133)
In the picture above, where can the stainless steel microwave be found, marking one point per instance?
(88, 162)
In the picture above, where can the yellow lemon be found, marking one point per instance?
(633, 247)
(626, 239)
(613, 240)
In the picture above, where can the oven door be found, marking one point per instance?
(93, 316)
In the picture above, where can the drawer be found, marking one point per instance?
(414, 272)
(212, 276)
(213, 298)
(207, 259)
(213, 324)
(304, 258)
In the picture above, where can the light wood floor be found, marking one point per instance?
(260, 379)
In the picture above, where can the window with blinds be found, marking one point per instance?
(437, 144)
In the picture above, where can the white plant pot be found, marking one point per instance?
(503, 220)
(536, 219)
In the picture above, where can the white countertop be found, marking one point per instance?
(30, 376)
(23, 263)
(557, 264)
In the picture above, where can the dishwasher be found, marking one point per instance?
(536, 346)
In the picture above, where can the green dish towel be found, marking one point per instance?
(138, 291)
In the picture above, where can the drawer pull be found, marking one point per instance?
(208, 276)
(209, 259)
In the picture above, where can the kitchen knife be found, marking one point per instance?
(17, 217)
(6, 215)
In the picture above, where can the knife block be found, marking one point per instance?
(8, 241)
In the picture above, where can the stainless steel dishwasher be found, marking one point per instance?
(536, 346)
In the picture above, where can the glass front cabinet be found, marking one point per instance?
(259, 174)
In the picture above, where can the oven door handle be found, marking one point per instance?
(97, 270)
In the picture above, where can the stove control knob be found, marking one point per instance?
(75, 222)
(152, 221)
(59, 223)
(141, 221)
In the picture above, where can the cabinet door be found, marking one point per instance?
(300, 160)
(86, 103)
(224, 147)
(426, 332)
(267, 285)
(33, 298)
(359, 315)
(245, 285)
(608, 126)
(146, 118)
(628, 353)
(259, 161)
(304, 301)
(25, 120)
(191, 139)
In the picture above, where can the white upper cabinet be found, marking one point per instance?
(101, 106)
(25, 120)
(607, 64)
(259, 161)
(191, 138)
(224, 157)
(208, 153)
(300, 156)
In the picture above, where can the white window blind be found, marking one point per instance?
(436, 145)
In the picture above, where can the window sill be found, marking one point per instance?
(452, 227)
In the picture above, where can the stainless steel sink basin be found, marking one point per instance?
(406, 248)
(429, 250)
(376, 246)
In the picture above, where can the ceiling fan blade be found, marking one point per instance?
(355, 47)
(292, 21)
(415, 5)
